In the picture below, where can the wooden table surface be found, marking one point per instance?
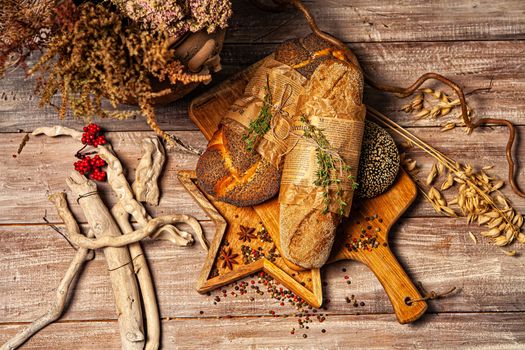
(478, 43)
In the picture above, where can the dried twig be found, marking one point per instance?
(147, 289)
(121, 272)
(145, 187)
(59, 304)
(110, 238)
(121, 187)
(58, 130)
(123, 191)
(153, 226)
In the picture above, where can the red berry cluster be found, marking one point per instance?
(88, 166)
(92, 137)
(92, 167)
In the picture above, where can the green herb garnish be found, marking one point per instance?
(259, 126)
(327, 167)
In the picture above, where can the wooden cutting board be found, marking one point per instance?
(364, 237)
(238, 232)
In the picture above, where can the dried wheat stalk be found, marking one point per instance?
(432, 104)
(477, 197)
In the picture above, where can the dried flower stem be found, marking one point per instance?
(102, 55)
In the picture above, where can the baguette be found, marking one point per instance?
(307, 233)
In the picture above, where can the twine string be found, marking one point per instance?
(88, 194)
(429, 295)
(125, 264)
(54, 227)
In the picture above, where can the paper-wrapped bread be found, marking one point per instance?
(332, 102)
(229, 171)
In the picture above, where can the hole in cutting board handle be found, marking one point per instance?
(408, 301)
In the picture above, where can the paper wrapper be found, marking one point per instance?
(286, 85)
(329, 103)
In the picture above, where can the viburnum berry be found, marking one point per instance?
(83, 166)
(97, 174)
(91, 135)
(86, 165)
(97, 162)
(100, 140)
(91, 167)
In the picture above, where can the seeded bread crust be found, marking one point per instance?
(230, 173)
(226, 160)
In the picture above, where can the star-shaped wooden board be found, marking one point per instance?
(242, 247)
(369, 246)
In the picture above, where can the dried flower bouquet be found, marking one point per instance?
(102, 50)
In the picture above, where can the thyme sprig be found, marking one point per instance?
(259, 126)
(328, 167)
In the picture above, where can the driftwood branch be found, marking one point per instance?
(123, 190)
(151, 227)
(121, 187)
(56, 310)
(124, 193)
(120, 266)
(146, 187)
(147, 289)
(58, 130)
(124, 252)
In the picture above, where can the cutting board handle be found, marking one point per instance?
(397, 285)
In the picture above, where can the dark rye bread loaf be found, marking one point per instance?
(231, 173)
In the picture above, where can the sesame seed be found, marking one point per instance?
(379, 162)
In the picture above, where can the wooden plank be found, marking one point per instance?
(43, 165)
(447, 331)
(437, 252)
(492, 71)
(365, 21)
